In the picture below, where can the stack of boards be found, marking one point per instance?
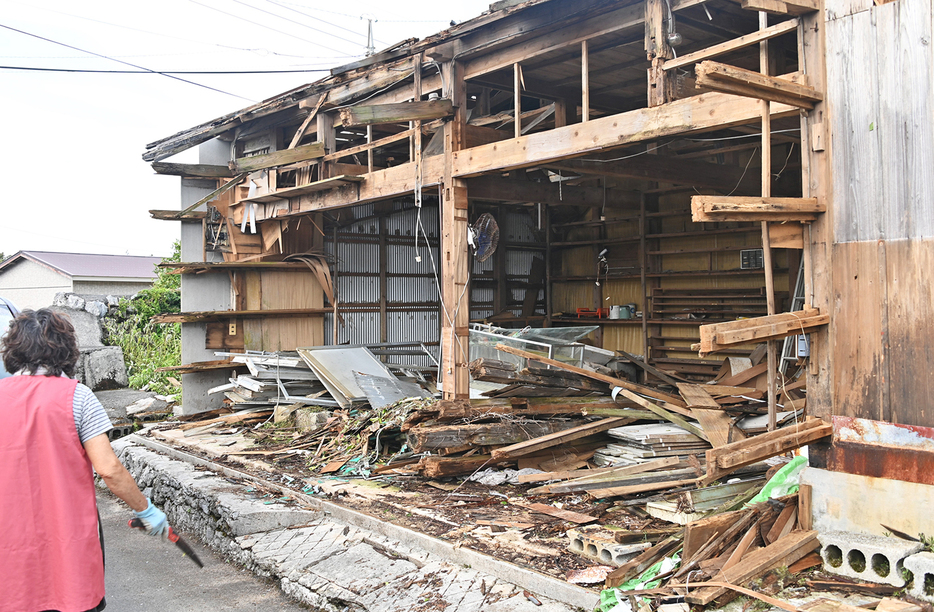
(640, 443)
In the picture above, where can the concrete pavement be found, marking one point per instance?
(332, 558)
(148, 574)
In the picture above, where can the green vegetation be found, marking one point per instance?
(146, 345)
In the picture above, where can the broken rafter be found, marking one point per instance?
(741, 82)
(754, 208)
(192, 170)
(222, 315)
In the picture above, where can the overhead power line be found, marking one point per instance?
(333, 25)
(55, 42)
(163, 73)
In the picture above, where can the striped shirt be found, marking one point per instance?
(90, 417)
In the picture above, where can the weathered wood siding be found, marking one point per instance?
(880, 68)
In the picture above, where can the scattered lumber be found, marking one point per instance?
(783, 552)
(616, 382)
(742, 82)
(602, 478)
(433, 437)
(565, 515)
(665, 414)
(278, 158)
(715, 423)
(553, 439)
(643, 561)
(493, 370)
(727, 459)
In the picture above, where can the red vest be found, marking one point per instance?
(50, 551)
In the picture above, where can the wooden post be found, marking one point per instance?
(328, 136)
(548, 264)
(383, 282)
(369, 153)
(657, 50)
(766, 145)
(517, 97)
(643, 259)
(585, 82)
(455, 255)
(415, 143)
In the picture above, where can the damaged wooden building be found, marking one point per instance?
(691, 176)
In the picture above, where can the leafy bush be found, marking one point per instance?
(146, 345)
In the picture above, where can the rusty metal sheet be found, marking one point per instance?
(882, 450)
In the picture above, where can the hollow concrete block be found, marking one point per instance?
(866, 557)
(921, 566)
(597, 543)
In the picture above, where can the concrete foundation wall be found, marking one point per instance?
(109, 288)
(31, 285)
(842, 502)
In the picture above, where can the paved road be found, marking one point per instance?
(145, 573)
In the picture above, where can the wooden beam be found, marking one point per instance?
(743, 331)
(732, 45)
(294, 192)
(698, 113)
(738, 208)
(192, 170)
(374, 114)
(616, 382)
(782, 7)
(278, 158)
(664, 414)
(174, 215)
(729, 79)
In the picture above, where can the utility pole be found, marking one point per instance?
(370, 47)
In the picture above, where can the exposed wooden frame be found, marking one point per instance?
(223, 315)
(782, 7)
(369, 146)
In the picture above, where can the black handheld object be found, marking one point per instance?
(174, 538)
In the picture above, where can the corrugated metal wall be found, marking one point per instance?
(363, 254)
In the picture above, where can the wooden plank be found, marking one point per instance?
(640, 488)
(616, 382)
(301, 190)
(606, 476)
(699, 532)
(781, 553)
(715, 423)
(729, 79)
(786, 235)
(729, 46)
(221, 315)
(192, 170)
(564, 515)
(174, 215)
(722, 208)
(805, 520)
(536, 444)
(743, 331)
(422, 110)
(278, 158)
(202, 366)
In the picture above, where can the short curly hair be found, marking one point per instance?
(41, 339)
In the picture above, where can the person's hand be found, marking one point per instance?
(154, 521)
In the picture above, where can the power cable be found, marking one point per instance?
(227, 93)
(132, 29)
(164, 72)
(304, 25)
(333, 25)
(255, 24)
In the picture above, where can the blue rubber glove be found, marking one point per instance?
(154, 520)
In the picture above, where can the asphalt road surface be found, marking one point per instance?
(146, 573)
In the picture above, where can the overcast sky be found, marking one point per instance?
(72, 141)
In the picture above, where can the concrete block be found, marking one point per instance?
(309, 419)
(921, 566)
(104, 368)
(87, 326)
(866, 557)
(96, 308)
(596, 542)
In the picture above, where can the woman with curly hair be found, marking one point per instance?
(52, 432)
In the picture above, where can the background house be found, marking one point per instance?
(32, 278)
